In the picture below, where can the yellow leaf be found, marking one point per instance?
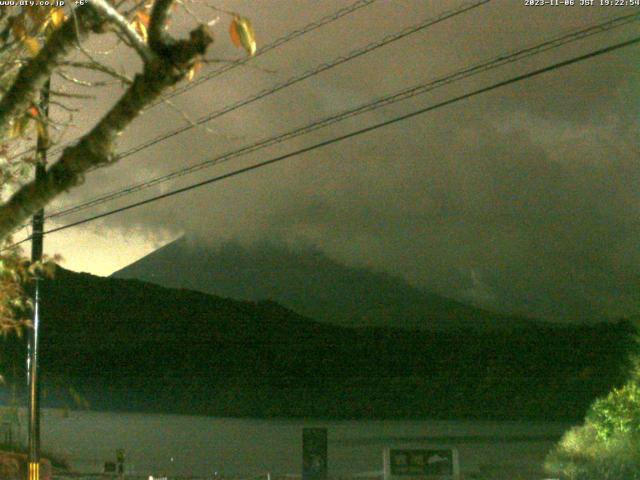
(57, 17)
(140, 28)
(32, 44)
(194, 70)
(242, 35)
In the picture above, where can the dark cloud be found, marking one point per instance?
(523, 200)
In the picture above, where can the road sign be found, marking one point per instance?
(421, 463)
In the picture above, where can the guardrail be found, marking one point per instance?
(264, 476)
(267, 476)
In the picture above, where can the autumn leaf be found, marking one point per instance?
(143, 18)
(139, 25)
(233, 33)
(57, 17)
(194, 70)
(242, 35)
(32, 44)
(141, 29)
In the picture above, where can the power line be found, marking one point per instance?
(242, 61)
(309, 73)
(355, 133)
(467, 72)
(267, 48)
(315, 71)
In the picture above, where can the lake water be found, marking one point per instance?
(199, 446)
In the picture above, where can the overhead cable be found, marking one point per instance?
(355, 6)
(341, 138)
(404, 94)
(309, 73)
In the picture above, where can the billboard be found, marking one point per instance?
(421, 463)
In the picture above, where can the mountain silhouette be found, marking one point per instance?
(128, 345)
(311, 284)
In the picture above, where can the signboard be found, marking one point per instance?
(314, 454)
(421, 463)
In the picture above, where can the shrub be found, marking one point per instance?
(617, 413)
(607, 446)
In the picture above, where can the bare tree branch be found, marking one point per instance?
(33, 75)
(160, 13)
(77, 81)
(63, 106)
(169, 64)
(188, 119)
(58, 93)
(118, 79)
(123, 26)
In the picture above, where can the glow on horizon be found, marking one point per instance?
(102, 251)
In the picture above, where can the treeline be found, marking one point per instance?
(128, 345)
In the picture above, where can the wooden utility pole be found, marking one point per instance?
(33, 454)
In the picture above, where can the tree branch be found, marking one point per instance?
(99, 67)
(33, 75)
(95, 149)
(123, 26)
(160, 14)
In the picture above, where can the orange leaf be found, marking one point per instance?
(32, 44)
(233, 33)
(143, 18)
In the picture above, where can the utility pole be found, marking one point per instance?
(33, 455)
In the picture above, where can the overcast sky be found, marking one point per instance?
(525, 199)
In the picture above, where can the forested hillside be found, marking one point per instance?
(130, 345)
